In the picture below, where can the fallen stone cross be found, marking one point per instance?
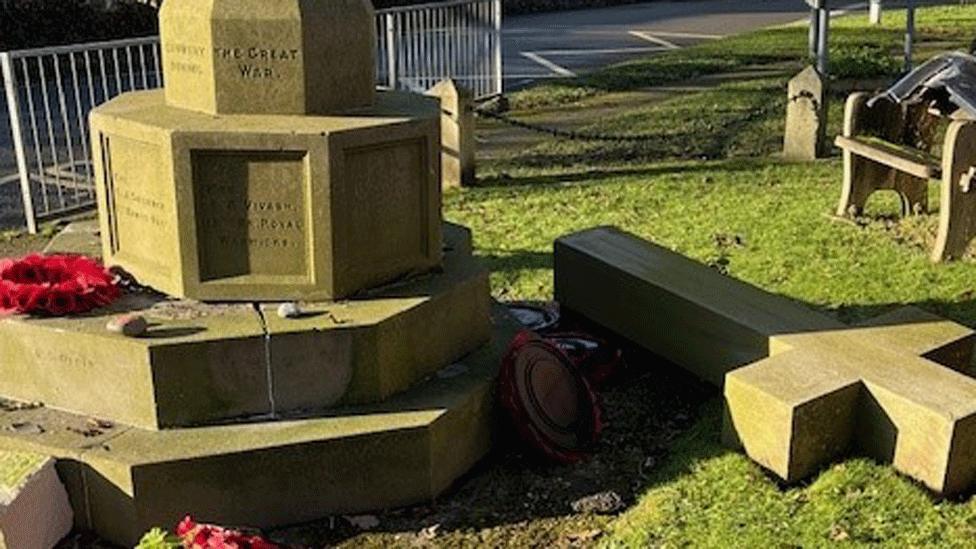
(801, 389)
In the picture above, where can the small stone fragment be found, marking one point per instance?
(603, 503)
(364, 522)
(289, 310)
(131, 325)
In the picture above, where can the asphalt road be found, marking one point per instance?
(561, 44)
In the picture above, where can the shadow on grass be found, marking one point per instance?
(601, 175)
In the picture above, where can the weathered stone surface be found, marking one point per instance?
(34, 509)
(806, 117)
(406, 449)
(261, 57)
(265, 208)
(80, 237)
(457, 134)
(199, 363)
(801, 389)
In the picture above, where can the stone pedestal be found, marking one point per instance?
(268, 57)
(269, 207)
(806, 117)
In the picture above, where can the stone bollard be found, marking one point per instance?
(457, 134)
(806, 117)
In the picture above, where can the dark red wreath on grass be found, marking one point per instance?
(54, 285)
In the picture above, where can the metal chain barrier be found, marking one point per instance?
(574, 135)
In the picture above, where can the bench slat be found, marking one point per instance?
(912, 162)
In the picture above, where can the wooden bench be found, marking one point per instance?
(892, 147)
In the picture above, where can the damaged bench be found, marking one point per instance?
(890, 143)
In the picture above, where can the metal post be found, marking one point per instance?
(497, 53)
(823, 32)
(814, 32)
(874, 12)
(391, 56)
(909, 34)
(13, 107)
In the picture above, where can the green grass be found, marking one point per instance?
(707, 184)
(708, 496)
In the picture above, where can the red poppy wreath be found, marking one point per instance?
(54, 285)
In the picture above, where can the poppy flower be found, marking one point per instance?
(55, 285)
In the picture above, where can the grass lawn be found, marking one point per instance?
(707, 184)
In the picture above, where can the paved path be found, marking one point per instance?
(559, 44)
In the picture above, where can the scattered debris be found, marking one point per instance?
(363, 522)
(7, 405)
(289, 310)
(603, 503)
(429, 533)
(26, 428)
(534, 316)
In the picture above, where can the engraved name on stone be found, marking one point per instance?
(72, 360)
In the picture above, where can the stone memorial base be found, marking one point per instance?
(238, 416)
(268, 207)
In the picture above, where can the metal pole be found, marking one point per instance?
(10, 85)
(909, 34)
(391, 56)
(814, 31)
(823, 32)
(497, 53)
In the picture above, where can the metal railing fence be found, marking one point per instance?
(45, 156)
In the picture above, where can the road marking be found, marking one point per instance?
(654, 39)
(600, 51)
(697, 35)
(562, 71)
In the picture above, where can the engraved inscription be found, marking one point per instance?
(251, 214)
(259, 62)
(62, 358)
(141, 207)
(185, 58)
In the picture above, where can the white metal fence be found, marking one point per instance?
(45, 160)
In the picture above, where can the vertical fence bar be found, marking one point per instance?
(82, 129)
(13, 108)
(35, 133)
(55, 160)
(68, 140)
(391, 56)
(497, 50)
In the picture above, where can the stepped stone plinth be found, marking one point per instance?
(409, 448)
(204, 363)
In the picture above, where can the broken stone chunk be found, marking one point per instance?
(30, 489)
(128, 325)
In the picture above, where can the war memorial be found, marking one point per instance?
(293, 331)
